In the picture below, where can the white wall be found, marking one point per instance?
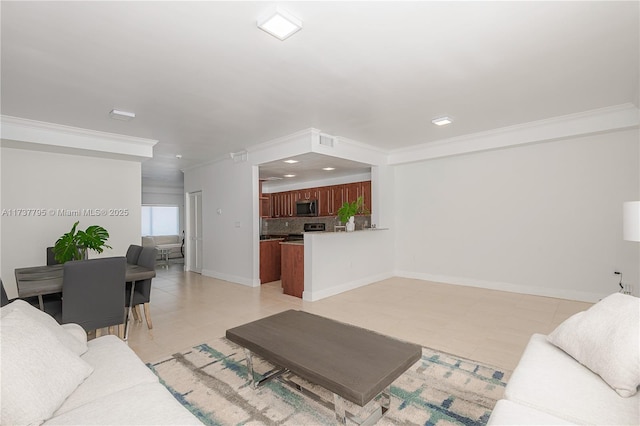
(340, 261)
(541, 219)
(228, 237)
(43, 180)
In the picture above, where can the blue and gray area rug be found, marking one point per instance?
(440, 389)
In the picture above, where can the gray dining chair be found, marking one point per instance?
(142, 289)
(5, 299)
(133, 253)
(51, 257)
(93, 291)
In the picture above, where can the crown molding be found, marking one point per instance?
(617, 117)
(23, 133)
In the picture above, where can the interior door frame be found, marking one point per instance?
(193, 237)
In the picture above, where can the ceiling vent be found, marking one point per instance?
(326, 140)
(239, 156)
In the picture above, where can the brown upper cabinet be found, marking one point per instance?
(265, 202)
(330, 199)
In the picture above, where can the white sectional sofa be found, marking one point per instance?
(172, 243)
(551, 387)
(51, 375)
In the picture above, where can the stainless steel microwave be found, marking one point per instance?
(307, 208)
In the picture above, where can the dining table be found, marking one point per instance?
(42, 280)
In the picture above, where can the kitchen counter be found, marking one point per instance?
(271, 239)
(295, 242)
(358, 258)
(356, 230)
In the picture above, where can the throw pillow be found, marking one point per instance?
(73, 342)
(606, 339)
(38, 373)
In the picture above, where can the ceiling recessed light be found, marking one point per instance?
(122, 115)
(178, 156)
(279, 23)
(442, 121)
(289, 176)
(328, 168)
(291, 161)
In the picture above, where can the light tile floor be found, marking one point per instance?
(484, 325)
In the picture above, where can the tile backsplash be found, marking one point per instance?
(295, 225)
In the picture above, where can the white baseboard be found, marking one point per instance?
(313, 296)
(231, 278)
(513, 288)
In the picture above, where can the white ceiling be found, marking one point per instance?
(309, 167)
(205, 81)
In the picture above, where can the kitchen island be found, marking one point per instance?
(324, 264)
(335, 262)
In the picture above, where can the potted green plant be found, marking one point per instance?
(348, 210)
(74, 244)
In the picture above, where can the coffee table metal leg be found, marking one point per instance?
(247, 354)
(338, 407)
(385, 401)
(255, 384)
(339, 403)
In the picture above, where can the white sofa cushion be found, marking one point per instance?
(37, 371)
(115, 368)
(548, 379)
(75, 341)
(167, 239)
(148, 242)
(78, 332)
(144, 404)
(606, 339)
(509, 413)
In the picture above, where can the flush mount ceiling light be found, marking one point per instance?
(279, 23)
(328, 168)
(442, 121)
(178, 156)
(291, 161)
(289, 176)
(122, 115)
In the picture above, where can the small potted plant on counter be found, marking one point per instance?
(348, 210)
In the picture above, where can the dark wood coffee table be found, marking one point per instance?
(353, 363)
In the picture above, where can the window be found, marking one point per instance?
(160, 220)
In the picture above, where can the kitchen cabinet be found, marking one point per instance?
(350, 192)
(281, 204)
(270, 261)
(292, 269)
(330, 198)
(275, 205)
(364, 191)
(337, 197)
(325, 201)
(264, 202)
(306, 194)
